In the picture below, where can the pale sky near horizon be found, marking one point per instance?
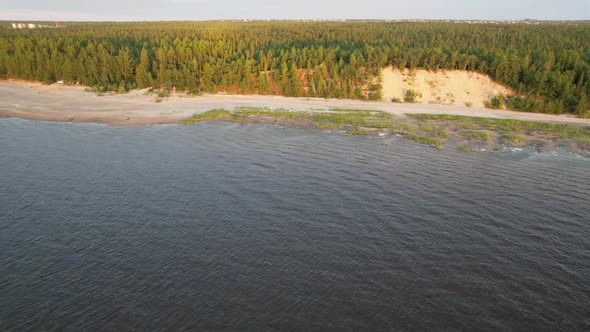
(145, 10)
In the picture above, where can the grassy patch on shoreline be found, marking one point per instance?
(481, 135)
(429, 129)
(244, 115)
(356, 122)
(212, 115)
(465, 149)
(506, 125)
(514, 138)
(433, 142)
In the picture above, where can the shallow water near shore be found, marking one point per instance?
(255, 227)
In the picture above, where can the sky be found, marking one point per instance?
(149, 10)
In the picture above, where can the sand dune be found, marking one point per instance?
(451, 87)
(72, 104)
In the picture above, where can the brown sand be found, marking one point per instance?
(451, 87)
(72, 104)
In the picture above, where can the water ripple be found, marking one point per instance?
(254, 227)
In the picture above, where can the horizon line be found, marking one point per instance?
(303, 19)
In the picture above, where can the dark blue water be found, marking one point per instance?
(248, 227)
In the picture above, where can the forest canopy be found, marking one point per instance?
(547, 65)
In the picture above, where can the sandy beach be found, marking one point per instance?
(35, 101)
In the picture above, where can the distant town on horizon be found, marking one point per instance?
(48, 24)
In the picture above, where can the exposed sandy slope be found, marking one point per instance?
(452, 87)
(72, 104)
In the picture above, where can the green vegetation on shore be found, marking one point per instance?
(355, 121)
(505, 125)
(484, 136)
(548, 65)
(433, 142)
(467, 133)
(465, 149)
(514, 138)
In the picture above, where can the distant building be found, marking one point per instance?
(34, 26)
(19, 26)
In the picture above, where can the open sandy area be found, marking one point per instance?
(450, 87)
(72, 104)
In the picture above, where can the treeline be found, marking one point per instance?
(547, 65)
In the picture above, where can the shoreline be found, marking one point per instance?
(58, 103)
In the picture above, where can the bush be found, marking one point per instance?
(375, 92)
(582, 107)
(554, 107)
(164, 93)
(411, 96)
(523, 104)
(496, 103)
(396, 100)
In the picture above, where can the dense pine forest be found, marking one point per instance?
(547, 65)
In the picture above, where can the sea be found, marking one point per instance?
(248, 227)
